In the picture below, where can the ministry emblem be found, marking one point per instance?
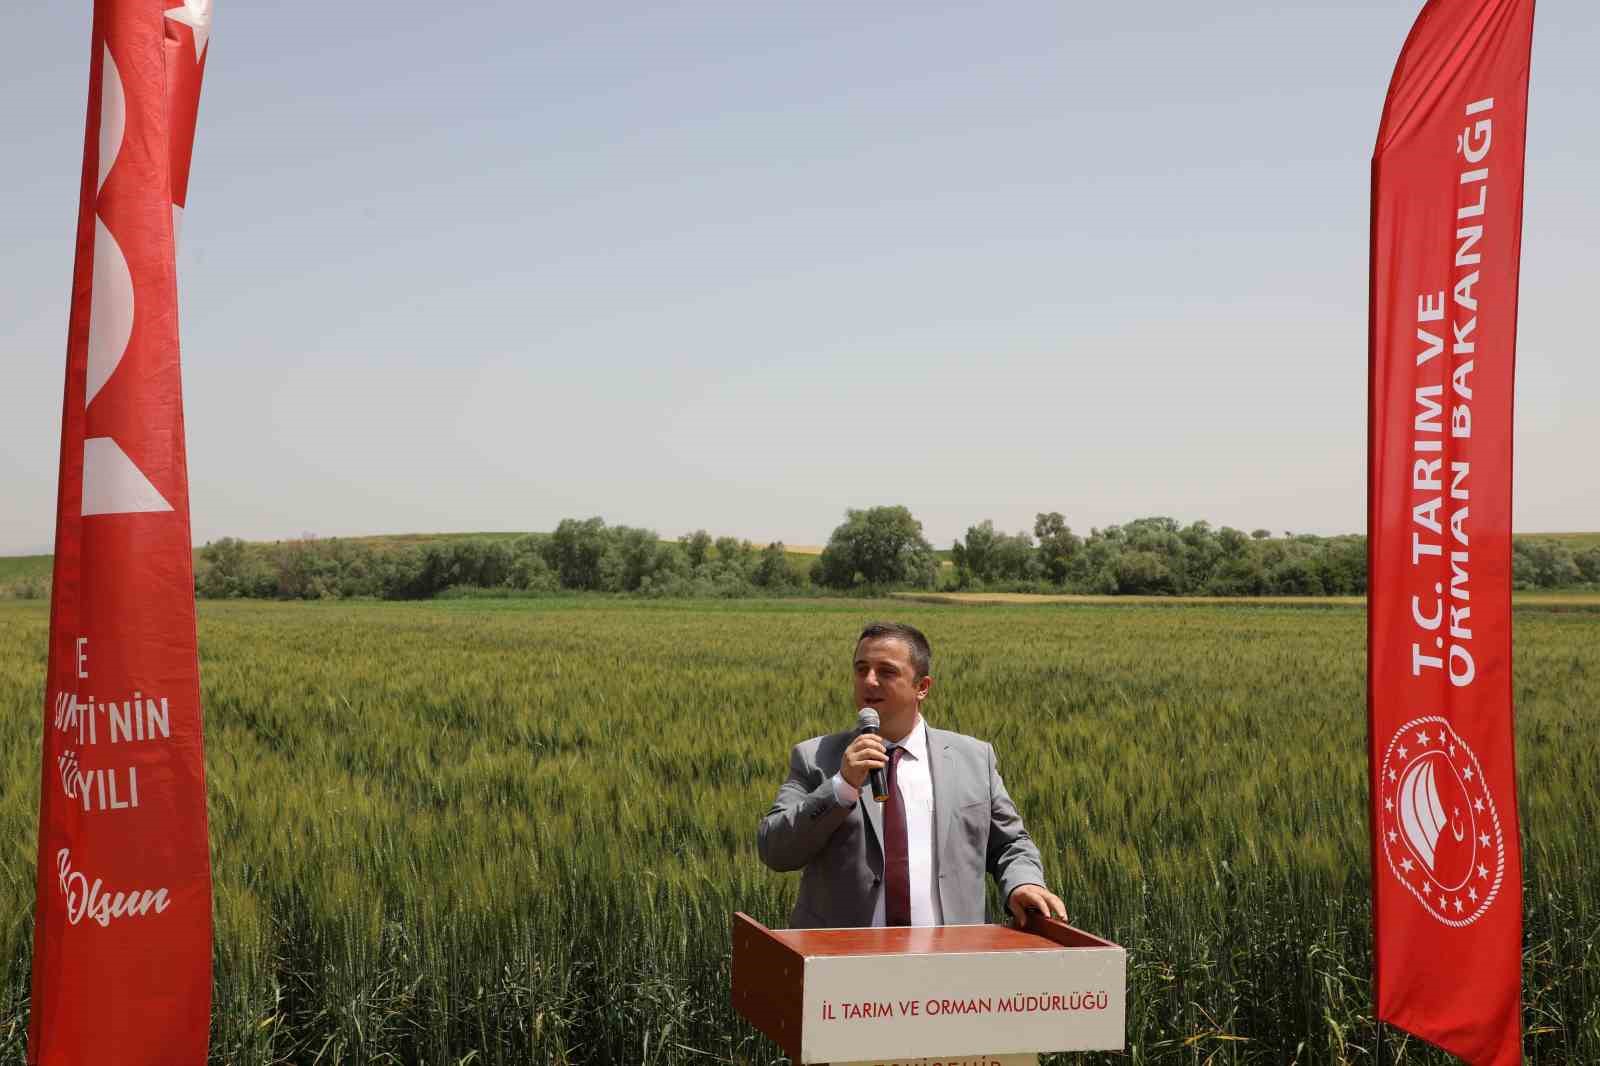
(1439, 827)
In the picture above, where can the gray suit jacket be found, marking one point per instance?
(975, 825)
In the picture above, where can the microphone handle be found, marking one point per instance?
(880, 788)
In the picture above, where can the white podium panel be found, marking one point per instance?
(949, 1004)
(955, 995)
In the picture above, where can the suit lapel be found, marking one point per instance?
(871, 809)
(939, 773)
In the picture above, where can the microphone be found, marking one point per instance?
(867, 722)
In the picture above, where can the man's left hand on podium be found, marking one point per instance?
(1025, 898)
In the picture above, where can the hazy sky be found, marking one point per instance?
(741, 266)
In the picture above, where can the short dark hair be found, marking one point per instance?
(921, 653)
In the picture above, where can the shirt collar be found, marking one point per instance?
(916, 741)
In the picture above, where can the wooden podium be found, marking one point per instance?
(947, 993)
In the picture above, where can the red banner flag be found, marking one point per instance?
(1446, 240)
(122, 936)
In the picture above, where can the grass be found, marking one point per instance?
(513, 831)
(1575, 541)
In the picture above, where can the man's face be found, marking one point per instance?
(886, 681)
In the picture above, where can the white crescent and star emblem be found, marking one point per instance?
(1446, 860)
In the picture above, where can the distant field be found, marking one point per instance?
(1539, 597)
(1021, 598)
(1556, 598)
(1575, 541)
(21, 567)
(509, 832)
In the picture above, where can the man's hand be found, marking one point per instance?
(1025, 898)
(865, 754)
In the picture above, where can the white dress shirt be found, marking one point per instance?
(915, 786)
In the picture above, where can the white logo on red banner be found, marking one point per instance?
(1440, 829)
(195, 14)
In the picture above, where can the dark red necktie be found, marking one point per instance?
(896, 864)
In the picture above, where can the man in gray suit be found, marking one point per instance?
(919, 857)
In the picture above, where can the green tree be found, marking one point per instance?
(1345, 568)
(400, 575)
(1588, 562)
(1014, 558)
(531, 573)
(1201, 552)
(231, 568)
(772, 569)
(1545, 564)
(696, 547)
(1295, 576)
(636, 551)
(878, 546)
(1144, 572)
(734, 551)
(1058, 545)
(972, 555)
(1238, 575)
(1094, 569)
(1233, 542)
(640, 559)
(990, 556)
(576, 550)
(304, 571)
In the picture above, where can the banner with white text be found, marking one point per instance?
(1446, 241)
(122, 936)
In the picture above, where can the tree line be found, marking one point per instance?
(883, 547)
(1158, 556)
(581, 555)
(875, 549)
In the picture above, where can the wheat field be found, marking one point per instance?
(513, 831)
